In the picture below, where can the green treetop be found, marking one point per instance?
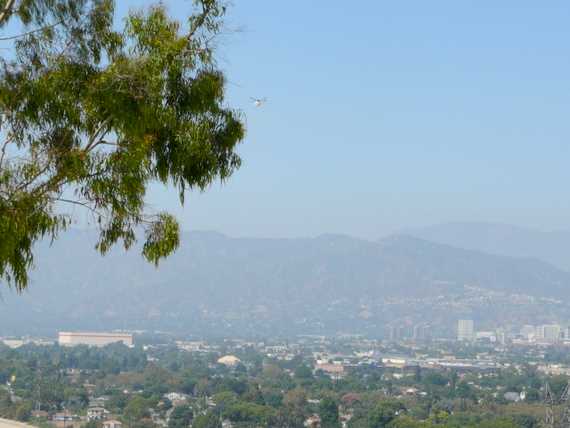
(91, 114)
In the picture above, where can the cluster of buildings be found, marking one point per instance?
(15, 343)
(546, 332)
(68, 420)
(73, 339)
(97, 412)
(417, 332)
(528, 334)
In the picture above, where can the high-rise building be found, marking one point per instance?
(501, 336)
(395, 333)
(420, 332)
(549, 332)
(528, 332)
(465, 330)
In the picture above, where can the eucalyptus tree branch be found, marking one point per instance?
(25, 184)
(7, 11)
(199, 20)
(94, 141)
(3, 152)
(148, 220)
(79, 203)
(99, 133)
(28, 33)
(70, 101)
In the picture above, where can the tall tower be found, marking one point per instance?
(549, 402)
(564, 400)
(465, 330)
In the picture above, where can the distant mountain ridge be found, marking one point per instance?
(215, 283)
(502, 239)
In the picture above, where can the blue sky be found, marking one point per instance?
(387, 115)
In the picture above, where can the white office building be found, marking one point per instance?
(465, 330)
(549, 332)
(93, 339)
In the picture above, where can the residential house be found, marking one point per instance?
(112, 424)
(97, 413)
(313, 421)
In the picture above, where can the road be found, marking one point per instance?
(5, 423)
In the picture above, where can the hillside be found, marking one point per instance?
(215, 284)
(502, 239)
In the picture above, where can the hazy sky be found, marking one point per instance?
(385, 114)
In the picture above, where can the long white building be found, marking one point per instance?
(93, 339)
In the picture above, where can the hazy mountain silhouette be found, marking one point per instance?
(552, 247)
(217, 283)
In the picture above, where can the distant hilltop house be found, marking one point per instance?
(176, 398)
(66, 420)
(313, 421)
(40, 414)
(97, 401)
(97, 413)
(514, 397)
(93, 339)
(229, 360)
(112, 424)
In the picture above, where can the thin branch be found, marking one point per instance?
(4, 147)
(59, 181)
(104, 143)
(99, 133)
(37, 30)
(64, 49)
(136, 217)
(200, 20)
(7, 11)
(82, 204)
(26, 183)
(69, 42)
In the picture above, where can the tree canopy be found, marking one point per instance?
(181, 417)
(91, 114)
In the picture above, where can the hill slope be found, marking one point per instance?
(552, 247)
(216, 284)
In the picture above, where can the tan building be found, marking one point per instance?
(335, 371)
(93, 339)
(229, 361)
(112, 424)
(66, 420)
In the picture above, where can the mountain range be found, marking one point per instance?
(502, 239)
(215, 284)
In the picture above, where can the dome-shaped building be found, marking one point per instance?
(229, 360)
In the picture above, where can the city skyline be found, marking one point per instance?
(253, 214)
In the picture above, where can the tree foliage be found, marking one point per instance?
(91, 115)
(384, 413)
(137, 409)
(181, 417)
(209, 420)
(328, 412)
